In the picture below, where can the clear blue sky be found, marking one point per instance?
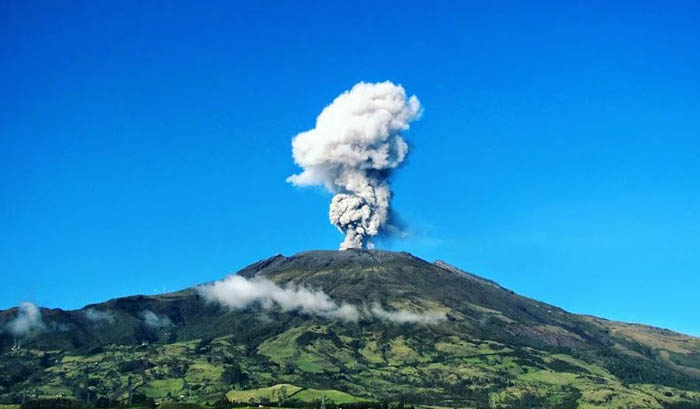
(145, 147)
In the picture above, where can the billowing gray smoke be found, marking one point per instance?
(352, 151)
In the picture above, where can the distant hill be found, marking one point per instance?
(424, 333)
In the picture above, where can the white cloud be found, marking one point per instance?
(99, 316)
(28, 320)
(407, 317)
(237, 292)
(155, 321)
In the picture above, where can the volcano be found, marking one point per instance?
(491, 347)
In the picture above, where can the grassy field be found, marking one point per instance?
(310, 395)
(172, 405)
(162, 388)
(310, 361)
(271, 393)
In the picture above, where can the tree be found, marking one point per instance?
(282, 395)
(233, 374)
(203, 345)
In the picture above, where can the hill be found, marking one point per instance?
(357, 326)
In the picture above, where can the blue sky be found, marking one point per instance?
(145, 147)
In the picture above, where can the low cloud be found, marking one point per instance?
(96, 316)
(407, 317)
(28, 320)
(237, 292)
(155, 321)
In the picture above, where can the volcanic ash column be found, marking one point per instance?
(352, 151)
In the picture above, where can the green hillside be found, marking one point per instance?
(494, 349)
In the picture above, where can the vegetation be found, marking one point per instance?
(495, 350)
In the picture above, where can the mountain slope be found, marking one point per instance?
(492, 346)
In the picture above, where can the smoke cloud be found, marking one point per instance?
(155, 321)
(237, 292)
(28, 320)
(352, 151)
(99, 316)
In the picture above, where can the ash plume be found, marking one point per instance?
(28, 320)
(352, 151)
